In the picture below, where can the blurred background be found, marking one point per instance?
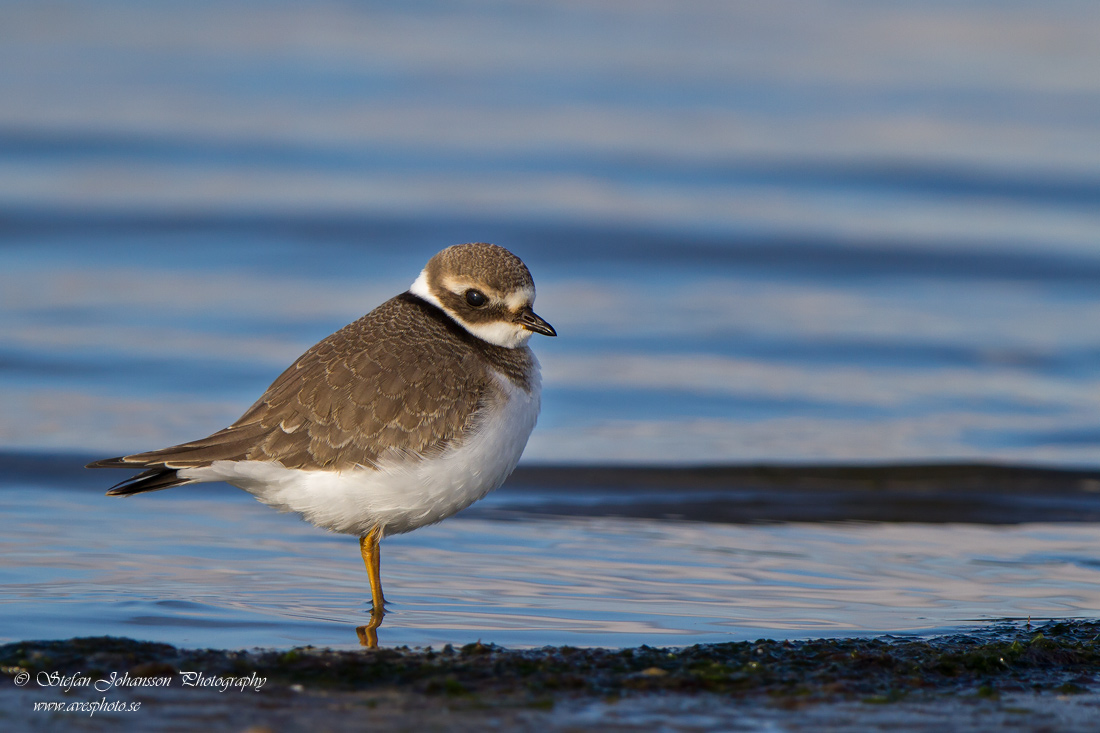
(792, 232)
(816, 232)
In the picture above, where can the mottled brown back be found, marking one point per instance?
(402, 380)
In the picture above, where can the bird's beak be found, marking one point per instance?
(532, 322)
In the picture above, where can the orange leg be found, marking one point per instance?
(368, 546)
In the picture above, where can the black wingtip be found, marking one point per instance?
(155, 479)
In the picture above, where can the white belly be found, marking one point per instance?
(399, 496)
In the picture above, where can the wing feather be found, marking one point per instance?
(401, 381)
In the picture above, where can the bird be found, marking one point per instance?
(396, 421)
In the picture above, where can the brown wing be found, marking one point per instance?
(399, 381)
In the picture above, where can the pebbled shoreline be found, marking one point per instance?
(1007, 667)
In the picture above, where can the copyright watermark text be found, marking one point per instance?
(91, 707)
(78, 682)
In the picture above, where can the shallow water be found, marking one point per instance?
(771, 233)
(209, 566)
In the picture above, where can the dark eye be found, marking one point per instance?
(476, 298)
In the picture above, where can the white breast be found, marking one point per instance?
(398, 496)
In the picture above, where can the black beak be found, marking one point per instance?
(532, 322)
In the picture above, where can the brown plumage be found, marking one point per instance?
(398, 420)
(353, 399)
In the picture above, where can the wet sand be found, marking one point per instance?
(1008, 677)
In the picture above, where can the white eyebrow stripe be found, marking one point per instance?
(519, 298)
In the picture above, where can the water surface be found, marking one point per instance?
(846, 232)
(853, 232)
(210, 566)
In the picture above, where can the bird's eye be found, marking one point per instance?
(476, 298)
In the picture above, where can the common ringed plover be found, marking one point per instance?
(398, 420)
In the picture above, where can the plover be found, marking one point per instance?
(396, 421)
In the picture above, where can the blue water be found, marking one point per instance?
(210, 567)
(841, 232)
(856, 232)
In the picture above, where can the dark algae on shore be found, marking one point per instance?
(1062, 656)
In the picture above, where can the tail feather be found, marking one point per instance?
(159, 466)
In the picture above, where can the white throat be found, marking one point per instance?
(500, 333)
